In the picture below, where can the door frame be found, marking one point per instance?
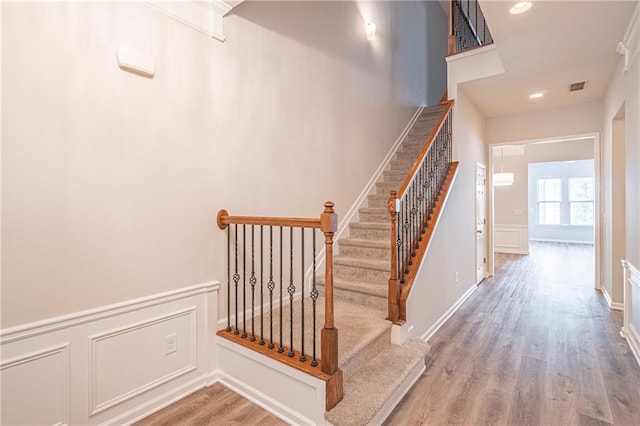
(598, 229)
(486, 223)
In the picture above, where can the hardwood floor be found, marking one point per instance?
(534, 345)
(215, 405)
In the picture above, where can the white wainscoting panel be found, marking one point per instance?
(50, 367)
(137, 353)
(110, 364)
(511, 238)
(631, 326)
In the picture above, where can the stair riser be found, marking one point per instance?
(355, 273)
(394, 177)
(401, 165)
(378, 201)
(407, 155)
(366, 252)
(386, 188)
(371, 233)
(377, 216)
(358, 298)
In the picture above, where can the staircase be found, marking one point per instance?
(376, 373)
(270, 311)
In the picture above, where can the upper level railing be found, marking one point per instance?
(413, 209)
(467, 26)
(272, 295)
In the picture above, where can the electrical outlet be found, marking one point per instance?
(170, 344)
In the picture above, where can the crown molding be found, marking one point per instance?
(205, 16)
(630, 44)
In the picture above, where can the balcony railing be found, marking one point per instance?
(468, 28)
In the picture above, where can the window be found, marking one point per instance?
(555, 208)
(549, 196)
(581, 196)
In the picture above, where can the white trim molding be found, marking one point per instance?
(511, 238)
(112, 364)
(67, 321)
(616, 306)
(630, 44)
(631, 308)
(205, 16)
(59, 356)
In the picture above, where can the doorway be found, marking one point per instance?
(481, 222)
(554, 200)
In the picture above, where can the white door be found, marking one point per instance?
(481, 222)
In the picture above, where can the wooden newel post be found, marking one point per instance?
(394, 284)
(329, 334)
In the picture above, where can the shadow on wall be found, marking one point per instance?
(405, 31)
(335, 28)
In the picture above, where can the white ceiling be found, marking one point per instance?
(553, 44)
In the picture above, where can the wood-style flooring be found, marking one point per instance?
(534, 345)
(215, 405)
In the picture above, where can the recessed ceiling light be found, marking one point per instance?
(537, 95)
(520, 7)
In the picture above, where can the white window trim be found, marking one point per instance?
(565, 204)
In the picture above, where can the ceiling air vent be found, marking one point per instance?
(579, 85)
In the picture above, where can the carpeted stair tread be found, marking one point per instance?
(370, 225)
(357, 327)
(364, 242)
(358, 287)
(367, 390)
(379, 265)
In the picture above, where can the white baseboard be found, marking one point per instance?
(551, 240)
(156, 404)
(78, 354)
(612, 305)
(452, 310)
(631, 321)
(633, 338)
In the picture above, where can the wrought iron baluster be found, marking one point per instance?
(261, 342)
(244, 281)
(252, 282)
(291, 290)
(314, 298)
(303, 358)
(270, 286)
(236, 278)
(281, 348)
(228, 279)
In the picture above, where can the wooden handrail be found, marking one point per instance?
(448, 105)
(296, 222)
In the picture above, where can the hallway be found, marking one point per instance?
(535, 345)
